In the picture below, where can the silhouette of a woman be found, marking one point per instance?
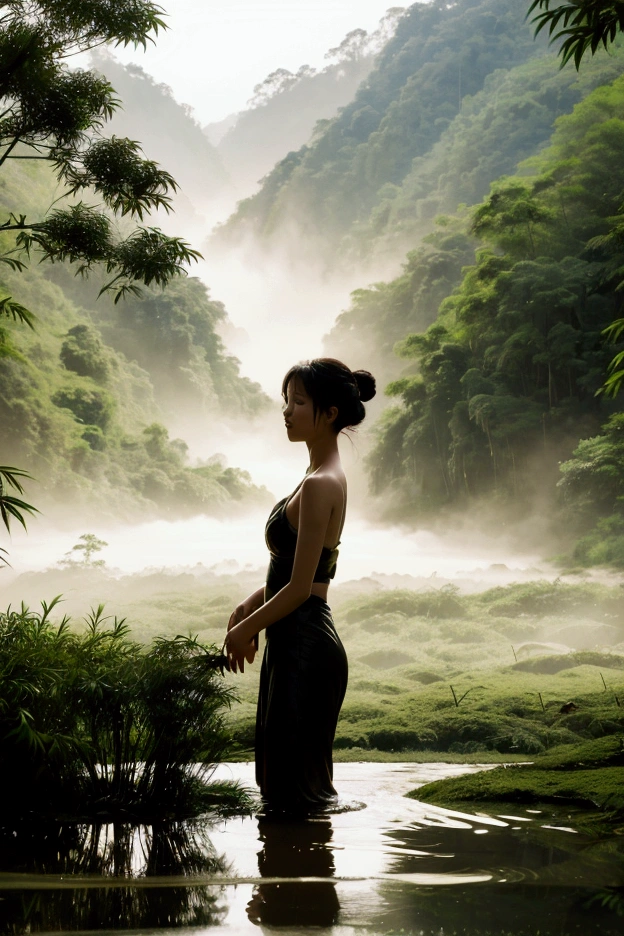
(304, 669)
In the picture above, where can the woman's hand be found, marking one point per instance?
(239, 647)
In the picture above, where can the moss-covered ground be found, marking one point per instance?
(587, 774)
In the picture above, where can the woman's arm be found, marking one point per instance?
(250, 604)
(315, 508)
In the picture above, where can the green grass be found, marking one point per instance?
(506, 670)
(587, 774)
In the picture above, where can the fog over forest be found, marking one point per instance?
(373, 153)
(439, 202)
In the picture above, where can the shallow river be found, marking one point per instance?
(395, 866)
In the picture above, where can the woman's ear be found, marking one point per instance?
(332, 414)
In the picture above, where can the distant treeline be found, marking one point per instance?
(439, 56)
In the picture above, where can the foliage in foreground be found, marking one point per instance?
(95, 724)
(53, 114)
(580, 25)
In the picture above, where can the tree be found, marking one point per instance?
(353, 46)
(53, 114)
(275, 83)
(88, 544)
(581, 24)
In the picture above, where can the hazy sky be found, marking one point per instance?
(215, 51)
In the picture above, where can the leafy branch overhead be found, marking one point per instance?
(53, 114)
(12, 507)
(581, 25)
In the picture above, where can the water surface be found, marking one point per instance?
(397, 866)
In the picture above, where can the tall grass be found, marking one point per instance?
(95, 724)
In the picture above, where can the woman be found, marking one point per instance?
(304, 670)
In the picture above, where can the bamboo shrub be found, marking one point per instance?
(95, 723)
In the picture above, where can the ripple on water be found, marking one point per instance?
(397, 865)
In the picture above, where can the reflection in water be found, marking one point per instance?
(398, 866)
(292, 848)
(536, 879)
(109, 852)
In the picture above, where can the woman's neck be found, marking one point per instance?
(321, 451)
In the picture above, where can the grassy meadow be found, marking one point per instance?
(434, 674)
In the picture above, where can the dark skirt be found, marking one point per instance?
(302, 684)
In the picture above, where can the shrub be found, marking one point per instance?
(342, 741)
(89, 406)
(444, 602)
(557, 662)
(83, 353)
(403, 739)
(386, 659)
(95, 723)
(426, 678)
(94, 436)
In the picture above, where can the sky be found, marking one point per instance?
(215, 51)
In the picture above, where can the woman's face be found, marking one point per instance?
(299, 413)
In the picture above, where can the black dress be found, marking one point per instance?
(302, 685)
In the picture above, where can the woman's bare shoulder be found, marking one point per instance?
(325, 484)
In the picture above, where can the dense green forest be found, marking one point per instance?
(439, 56)
(508, 377)
(510, 119)
(83, 396)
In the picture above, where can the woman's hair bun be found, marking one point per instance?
(366, 384)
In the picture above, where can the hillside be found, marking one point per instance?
(499, 390)
(287, 107)
(84, 397)
(509, 120)
(439, 56)
(205, 187)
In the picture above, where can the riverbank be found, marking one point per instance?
(586, 775)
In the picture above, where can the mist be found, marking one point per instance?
(424, 193)
(477, 536)
(276, 297)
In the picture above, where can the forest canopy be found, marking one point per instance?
(504, 382)
(85, 391)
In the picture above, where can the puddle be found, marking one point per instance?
(397, 866)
